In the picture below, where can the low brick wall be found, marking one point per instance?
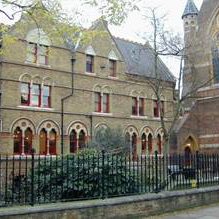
(133, 207)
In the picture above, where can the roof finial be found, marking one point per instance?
(190, 9)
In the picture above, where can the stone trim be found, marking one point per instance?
(140, 205)
(209, 136)
(209, 145)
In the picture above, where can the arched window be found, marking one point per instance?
(134, 145)
(28, 136)
(150, 146)
(127, 139)
(143, 143)
(215, 57)
(17, 141)
(73, 141)
(52, 142)
(159, 144)
(81, 142)
(43, 141)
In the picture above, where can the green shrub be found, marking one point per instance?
(78, 177)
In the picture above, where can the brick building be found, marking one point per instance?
(110, 88)
(198, 129)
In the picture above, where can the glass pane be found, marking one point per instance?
(42, 59)
(17, 141)
(24, 88)
(28, 141)
(43, 50)
(45, 102)
(43, 142)
(31, 58)
(24, 98)
(35, 100)
(35, 89)
(46, 91)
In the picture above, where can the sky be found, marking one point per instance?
(134, 27)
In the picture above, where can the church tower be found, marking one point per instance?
(189, 17)
(190, 22)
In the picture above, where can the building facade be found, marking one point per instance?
(198, 128)
(106, 84)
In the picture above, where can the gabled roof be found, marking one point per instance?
(139, 60)
(190, 9)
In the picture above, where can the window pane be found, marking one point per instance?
(31, 52)
(42, 60)
(89, 63)
(25, 94)
(106, 103)
(35, 89)
(46, 91)
(35, 100)
(141, 106)
(134, 105)
(25, 99)
(24, 88)
(97, 102)
(156, 113)
(112, 67)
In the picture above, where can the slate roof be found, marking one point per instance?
(139, 60)
(190, 9)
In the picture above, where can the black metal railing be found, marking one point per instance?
(35, 179)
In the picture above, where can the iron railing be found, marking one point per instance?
(35, 179)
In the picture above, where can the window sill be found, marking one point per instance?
(36, 108)
(102, 114)
(158, 118)
(113, 78)
(37, 64)
(138, 117)
(91, 74)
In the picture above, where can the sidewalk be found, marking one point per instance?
(205, 212)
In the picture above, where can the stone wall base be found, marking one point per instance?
(133, 207)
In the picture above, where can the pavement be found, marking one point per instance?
(205, 212)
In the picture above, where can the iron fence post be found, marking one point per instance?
(32, 178)
(102, 175)
(156, 172)
(197, 168)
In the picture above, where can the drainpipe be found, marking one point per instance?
(73, 59)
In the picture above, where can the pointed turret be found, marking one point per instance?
(190, 9)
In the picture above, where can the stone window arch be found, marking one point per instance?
(215, 57)
(102, 99)
(158, 107)
(132, 133)
(78, 135)
(159, 139)
(100, 128)
(147, 140)
(23, 131)
(48, 132)
(35, 91)
(138, 103)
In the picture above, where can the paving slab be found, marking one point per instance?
(205, 212)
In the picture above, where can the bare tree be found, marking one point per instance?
(166, 43)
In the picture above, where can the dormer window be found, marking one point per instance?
(90, 53)
(37, 47)
(89, 63)
(112, 66)
(112, 63)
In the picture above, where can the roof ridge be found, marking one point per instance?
(131, 41)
